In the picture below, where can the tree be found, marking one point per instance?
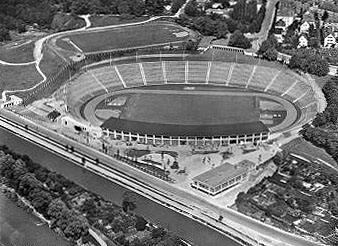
(55, 208)
(40, 200)
(314, 43)
(176, 5)
(4, 33)
(154, 7)
(77, 227)
(270, 54)
(191, 9)
(221, 29)
(325, 16)
(158, 232)
(204, 25)
(138, 7)
(237, 39)
(140, 223)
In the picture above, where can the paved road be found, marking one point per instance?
(266, 25)
(244, 224)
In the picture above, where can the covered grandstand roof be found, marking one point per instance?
(184, 130)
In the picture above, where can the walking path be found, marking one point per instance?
(266, 25)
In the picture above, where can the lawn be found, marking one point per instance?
(18, 77)
(308, 150)
(107, 20)
(126, 37)
(190, 109)
(322, 80)
(20, 53)
(50, 62)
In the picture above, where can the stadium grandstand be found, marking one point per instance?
(107, 80)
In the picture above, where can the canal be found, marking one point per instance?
(189, 229)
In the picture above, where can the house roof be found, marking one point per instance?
(221, 174)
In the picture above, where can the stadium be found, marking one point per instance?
(190, 102)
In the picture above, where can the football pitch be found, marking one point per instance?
(190, 108)
(124, 37)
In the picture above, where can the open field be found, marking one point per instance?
(126, 37)
(308, 150)
(322, 80)
(189, 108)
(19, 53)
(107, 20)
(50, 62)
(18, 77)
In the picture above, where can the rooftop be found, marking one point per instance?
(223, 173)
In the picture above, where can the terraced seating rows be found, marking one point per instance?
(175, 71)
(240, 75)
(107, 77)
(219, 72)
(197, 71)
(153, 72)
(298, 90)
(282, 83)
(306, 100)
(262, 77)
(131, 74)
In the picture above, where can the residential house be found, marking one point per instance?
(302, 42)
(286, 13)
(329, 41)
(304, 27)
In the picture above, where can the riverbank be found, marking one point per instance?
(21, 202)
(20, 227)
(71, 209)
(154, 190)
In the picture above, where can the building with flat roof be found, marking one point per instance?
(222, 177)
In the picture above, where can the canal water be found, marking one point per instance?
(20, 228)
(192, 231)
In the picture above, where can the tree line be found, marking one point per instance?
(16, 14)
(308, 61)
(322, 131)
(72, 209)
(244, 18)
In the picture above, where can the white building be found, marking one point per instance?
(81, 127)
(304, 28)
(329, 41)
(13, 101)
(302, 42)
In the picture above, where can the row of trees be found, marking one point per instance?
(26, 183)
(309, 62)
(15, 15)
(320, 132)
(244, 18)
(247, 14)
(71, 208)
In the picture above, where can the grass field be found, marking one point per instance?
(126, 37)
(18, 77)
(107, 20)
(190, 108)
(322, 80)
(308, 150)
(50, 62)
(17, 53)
